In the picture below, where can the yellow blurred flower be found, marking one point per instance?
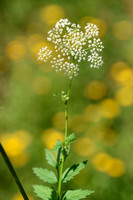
(15, 50)
(20, 160)
(15, 145)
(18, 196)
(95, 90)
(123, 30)
(101, 161)
(110, 108)
(84, 146)
(105, 163)
(124, 96)
(51, 13)
(121, 72)
(116, 168)
(78, 123)
(92, 113)
(41, 85)
(50, 137)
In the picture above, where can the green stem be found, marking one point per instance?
(13, 173)
(60, 177)
(66, 133)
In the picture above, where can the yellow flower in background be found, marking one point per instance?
(124, 96)
(123, 30)
(121, 72)
(105, 163)
(95, 90)
(84, 146)
(18, 196)
(50, 136)
(51, 13)
(15, 49)
(116, 168)
(101, 161)
(110, 108)
(78, 123)
(92, 113)
(20, 160)
(15, 145)
(41, 85)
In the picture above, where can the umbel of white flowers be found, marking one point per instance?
(71, 46)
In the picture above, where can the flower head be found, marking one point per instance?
(71, 46)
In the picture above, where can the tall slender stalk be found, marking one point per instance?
(66, 134)
(13, 173)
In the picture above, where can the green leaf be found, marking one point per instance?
(76, 194)
(44, 192)
(70, 137)
(57, 146)
(45, 175)
(72, 171)
(50, 158)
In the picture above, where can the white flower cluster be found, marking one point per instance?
(71, 46)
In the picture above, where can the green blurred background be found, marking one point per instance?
(101, 105)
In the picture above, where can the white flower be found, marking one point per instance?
(72, 46)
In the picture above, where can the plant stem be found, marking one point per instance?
(66, 133)
(13, 173)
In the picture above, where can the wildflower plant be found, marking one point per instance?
(71, 46)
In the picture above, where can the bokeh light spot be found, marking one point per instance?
(50, 14)
(121, 72)
(95, 90)
(124, 96)
(84, 146)
(15, 50)
(110, 108)
(50, 137)
(101, 161)
(41, 85)
(123, 30)
(116, 168)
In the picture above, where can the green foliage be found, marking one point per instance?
(61, 150)
(72, 171)
(50, 158)
(76, 194)
(45, 175)
(44, 192)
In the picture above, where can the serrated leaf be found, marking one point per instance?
(45, 175)
(70, 137)
(57, 146)
(76, 194)
(50, 158)
(44, 192)
(73, 171)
